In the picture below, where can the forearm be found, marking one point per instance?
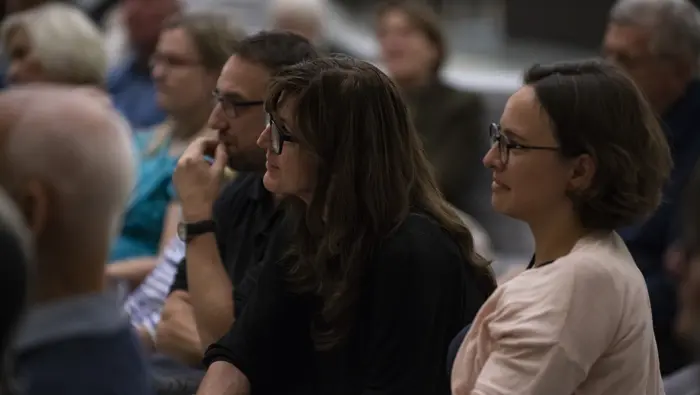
(210, 289)
(133, 270)
(222, 378)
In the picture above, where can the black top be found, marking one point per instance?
(417, 294)
(245, 216)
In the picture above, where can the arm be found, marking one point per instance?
(176, 334)
(548, 331)
(135, 270)
(225, 379)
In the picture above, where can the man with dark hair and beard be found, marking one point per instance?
(227, 232)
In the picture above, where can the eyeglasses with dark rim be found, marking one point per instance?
(505, 145)
(231, 107)
(278, 135)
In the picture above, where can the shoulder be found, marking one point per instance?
(244, 186)
(420, 241)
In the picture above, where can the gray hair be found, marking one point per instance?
(307, 12)
(69, 46)
(81, 147)
(674, 24)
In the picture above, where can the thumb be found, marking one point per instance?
(220, 160)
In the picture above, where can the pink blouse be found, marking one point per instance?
(580, 325)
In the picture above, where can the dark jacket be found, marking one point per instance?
(450, 124)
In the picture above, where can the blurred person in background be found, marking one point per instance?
(16, 267)
(414, 49)
(186, 64)
(72, 193)
(304, 17)
(658, 44)
(228, 231)
(686, 381)
(577, 154)
(130, 82)
(380, 273)
(54, 43)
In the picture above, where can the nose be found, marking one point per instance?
(217, 119)
(264, 138)
(492, 159)
(157, 71)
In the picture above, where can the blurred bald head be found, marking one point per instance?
(67, 162)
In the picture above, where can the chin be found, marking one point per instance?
(271, 183)
(500, 205)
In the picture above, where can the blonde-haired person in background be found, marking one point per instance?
(55, 43)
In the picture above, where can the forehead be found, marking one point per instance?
(523, 117)
(175, 40)
(243, 78)
(626, 38)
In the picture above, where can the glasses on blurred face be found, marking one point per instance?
(504, 145)
(278, 135)
(231, 106)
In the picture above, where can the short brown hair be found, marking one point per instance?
(423, 18)
(596, 109)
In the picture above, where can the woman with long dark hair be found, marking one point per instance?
(381, 273)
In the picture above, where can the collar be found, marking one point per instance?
(86, 315)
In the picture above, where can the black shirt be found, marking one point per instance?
(417, 294)
(245, 216)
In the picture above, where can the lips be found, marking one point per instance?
(498, 183)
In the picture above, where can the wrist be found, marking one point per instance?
(196, 213)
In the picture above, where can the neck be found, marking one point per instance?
(555, 237)
(414, 82)
(60, 278)
(186, 127)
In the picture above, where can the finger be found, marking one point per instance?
(201, 147)
(220, 160)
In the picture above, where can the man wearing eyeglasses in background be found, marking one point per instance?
(227, 232)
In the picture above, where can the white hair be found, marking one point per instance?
(674, 24)
(82, 148)
(309, 12)
(69, 46)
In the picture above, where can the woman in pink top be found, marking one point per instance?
(577, 154)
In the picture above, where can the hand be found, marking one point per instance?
(176, 334)
(197, 182)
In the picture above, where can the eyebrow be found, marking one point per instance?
(512, 134)
(231, 95)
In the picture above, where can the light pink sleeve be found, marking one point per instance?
(548, 330)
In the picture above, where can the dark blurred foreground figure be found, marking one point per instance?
(414, 49)
(380, 274)
(67, 164)
(577, 154)
(15, 267)
(658, 44)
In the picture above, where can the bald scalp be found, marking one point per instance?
(73, 141)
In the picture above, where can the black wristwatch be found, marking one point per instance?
(188, 231)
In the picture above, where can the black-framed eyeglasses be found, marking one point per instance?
(505, 145)
(278, 135)
(232, 107)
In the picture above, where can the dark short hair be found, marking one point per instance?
(596, 109)
(423, 18)
(276, 50)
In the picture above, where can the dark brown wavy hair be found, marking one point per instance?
(350, 118)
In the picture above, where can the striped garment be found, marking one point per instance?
(145, 303)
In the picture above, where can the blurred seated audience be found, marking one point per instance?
(68, 165)
(577, 154)
(16, 257)
(54, 43)
(228, 230)
(186, 64)
(381, 273)
(130, 82)
(658, 44)
(414, 49)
